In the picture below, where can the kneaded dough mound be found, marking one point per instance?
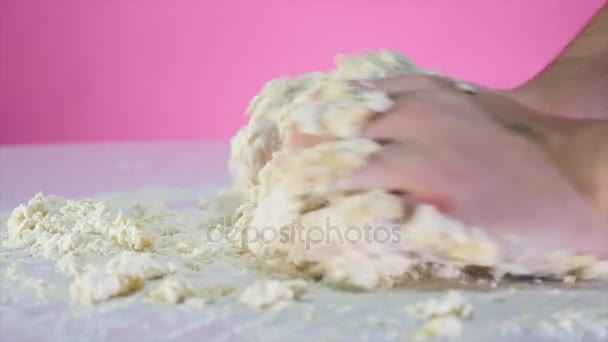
(361, 240)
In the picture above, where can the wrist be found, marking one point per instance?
(565, 97)
(582, 156)
(579, 149)
(588, 160)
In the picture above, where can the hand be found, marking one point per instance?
(485, 159)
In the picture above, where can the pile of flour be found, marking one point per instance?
(277, 191)
(113, 253)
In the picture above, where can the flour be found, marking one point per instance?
(562, 325)
(110, 253)
(574, 324)
(40, 286)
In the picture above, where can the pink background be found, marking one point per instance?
(182, 70)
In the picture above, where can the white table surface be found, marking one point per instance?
(178, 174)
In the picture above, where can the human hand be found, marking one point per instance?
(484, 159)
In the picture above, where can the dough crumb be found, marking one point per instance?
(111, 252)
(97, 287)
(173, 290)
(273, 294)
(310, 316)
(442, 316)
(452, 304)
(440, 327)
(569, 279)
(197, 302)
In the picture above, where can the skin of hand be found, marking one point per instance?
(485, 159)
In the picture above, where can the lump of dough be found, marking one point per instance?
(98, 287)
(173, 290)
(273, 294)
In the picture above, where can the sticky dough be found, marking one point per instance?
(286, 191)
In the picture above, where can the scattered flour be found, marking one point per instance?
(563, 325)
(40, 286)
(573, 324)
(111, 253)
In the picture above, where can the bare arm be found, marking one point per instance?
(574, 87)
(584, 157)
(575, 84)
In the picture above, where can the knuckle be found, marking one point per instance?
(431, 81)
(418, 101)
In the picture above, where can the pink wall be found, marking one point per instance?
(153, 70)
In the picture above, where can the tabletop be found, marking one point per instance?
(178, 174)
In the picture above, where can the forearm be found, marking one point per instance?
(575, 84)
(578, 147)
(585, 159)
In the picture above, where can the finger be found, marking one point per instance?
(410, 115)
(400, 168)
(407, 83)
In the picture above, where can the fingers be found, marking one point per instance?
(401, 168)
(410, 115)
